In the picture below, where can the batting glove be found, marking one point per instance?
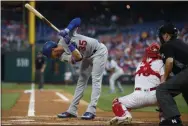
(64, 32)
(67, 40)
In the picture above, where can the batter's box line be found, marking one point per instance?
(65, 119)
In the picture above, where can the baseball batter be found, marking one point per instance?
(115, 72)
(93, 59)
(149, 74)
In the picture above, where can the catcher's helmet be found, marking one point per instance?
(167, 28)
(152, 51)
(47, 48)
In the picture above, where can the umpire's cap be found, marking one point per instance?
(168, 28)
(47, 48)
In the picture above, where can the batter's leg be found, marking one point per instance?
(85, 72)
(99, 63)
(112, 83)
(120, 86)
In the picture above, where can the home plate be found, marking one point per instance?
(27, 91)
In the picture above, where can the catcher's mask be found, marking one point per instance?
(152, 51)
(167, 28)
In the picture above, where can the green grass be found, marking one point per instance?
(9, 100)
(14, 86)
(105, 101)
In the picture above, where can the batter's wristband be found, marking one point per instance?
(71, 47)
(67, 30)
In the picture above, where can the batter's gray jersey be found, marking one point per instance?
(86, 45)
(93, 64)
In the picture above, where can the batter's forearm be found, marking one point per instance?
(73, 24)
(75, 53)
(70, 58)
(77, 56)
(168, 67)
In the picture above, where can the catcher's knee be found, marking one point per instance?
(118, 108)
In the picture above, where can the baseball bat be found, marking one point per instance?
(39, 15)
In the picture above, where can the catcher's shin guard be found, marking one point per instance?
(118, 108)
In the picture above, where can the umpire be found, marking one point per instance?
(40, 68)
(174, 53)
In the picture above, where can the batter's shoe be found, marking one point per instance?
(175, 121)
(88, 116)
(66, 115)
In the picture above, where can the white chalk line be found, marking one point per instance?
(31, 110)
(62, 97)
(97, 118)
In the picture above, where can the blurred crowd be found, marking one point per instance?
(127, 47)
(13, 36)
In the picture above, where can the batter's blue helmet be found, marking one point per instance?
(47, 48)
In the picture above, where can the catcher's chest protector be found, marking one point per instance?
(146, 70)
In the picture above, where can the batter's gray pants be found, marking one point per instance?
(94, 67)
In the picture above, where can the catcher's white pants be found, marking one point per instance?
(113, 79)
(139, 99)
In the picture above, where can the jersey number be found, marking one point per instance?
(82, 45)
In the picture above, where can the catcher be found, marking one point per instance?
(148, 76)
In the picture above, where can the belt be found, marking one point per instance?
(92, 53)
(140, 89)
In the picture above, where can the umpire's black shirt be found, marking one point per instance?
(39, 61)
(178, 50)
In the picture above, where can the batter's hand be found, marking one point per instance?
(63, 33)
(67, 40)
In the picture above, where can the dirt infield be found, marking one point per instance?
(48, 104)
